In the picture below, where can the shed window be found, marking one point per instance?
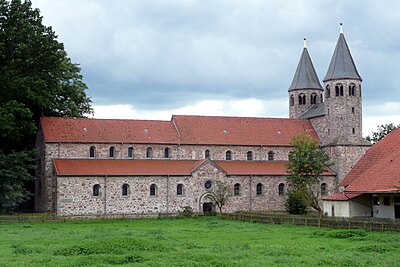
(228, 155)
(153, 190)
(386, 201)
(130, 152)
(376, 201)
(96, 190)
(125, 189)
(249, 155)
(236, 189)
(92, 152)
(149, 152)
(259, 189)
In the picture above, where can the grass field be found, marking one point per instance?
(207, 241)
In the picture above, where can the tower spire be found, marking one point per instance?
(341, 27)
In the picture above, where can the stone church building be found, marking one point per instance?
(98, 166)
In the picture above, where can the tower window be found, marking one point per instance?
(291, 100)
(167, 153)
(249, 155)
(322, 100)
(112, 152)
(302, 99)
(328, 91)
(228, 155)
(354, 130)
(149, 152)
(130, 152)
(314, 99)
(352, 109)
(352, 90)
(207, 154)
(339, 90)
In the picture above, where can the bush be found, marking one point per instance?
(187, 211)
(295, 202)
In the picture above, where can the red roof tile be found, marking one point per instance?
(239, 130)
(341, 196)
(100, 130)
(379, 169)
(73, 167)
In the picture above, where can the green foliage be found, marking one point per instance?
(14, 172)
(342, 233)
(307, 161)
(37, 78)
(187, 211)
(296, 202)
(381, 132)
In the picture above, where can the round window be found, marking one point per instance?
(208, 185)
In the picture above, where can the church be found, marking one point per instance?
(115, 167)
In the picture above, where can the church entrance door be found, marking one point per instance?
(208, 207)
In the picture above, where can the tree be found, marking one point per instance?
(221, 194)
(381, 132)
(37, 78)
(307, 161)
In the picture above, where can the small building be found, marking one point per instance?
(372, 187)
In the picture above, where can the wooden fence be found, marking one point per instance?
(331, 222)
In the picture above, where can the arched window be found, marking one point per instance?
(323, 189)
(302, 99)
(236, 189)
(249, 155)
(130, 152)
(153, 190)
(328, 91)
(179, 190)
(313, 98)
(281, 189)
(322, 99)
(259, 189)
(167, 153)
(292, 100)
(270, 155)
(111, 153)
(228, 155)
(207, 154)
(352, 89)
(149, 152)
(125, 189)
(96, 190)
(92, 152)
(339, 89)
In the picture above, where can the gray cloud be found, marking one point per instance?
(167, 54)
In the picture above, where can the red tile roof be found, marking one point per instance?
(379, 169)
(116, 167)
(100, 130)
(341, 196)
(239, 130)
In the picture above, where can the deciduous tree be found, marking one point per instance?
(381, 132)
(307, 161)
(221, 193)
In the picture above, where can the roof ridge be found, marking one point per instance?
(100, 119)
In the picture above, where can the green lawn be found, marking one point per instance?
(191, 242)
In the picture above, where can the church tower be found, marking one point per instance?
(305, 90)
(343, 105)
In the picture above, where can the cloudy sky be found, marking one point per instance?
(151, 59)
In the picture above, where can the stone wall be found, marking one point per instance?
(296, 109)
(75, 194)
